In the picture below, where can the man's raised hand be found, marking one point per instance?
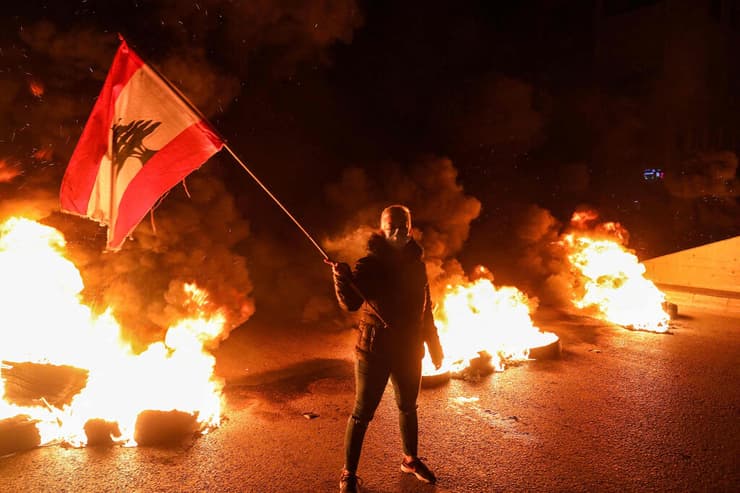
(339, 269)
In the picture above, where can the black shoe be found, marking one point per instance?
(348, 483)
(418, 469)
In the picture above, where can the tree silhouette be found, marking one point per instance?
(128, 141)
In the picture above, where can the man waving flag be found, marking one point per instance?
(141, 139)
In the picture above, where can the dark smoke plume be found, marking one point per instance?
(705, 175)
(705, 197)
(495, 115)
(194, 236)
(541, 265)
(274, 36)
(441, 211)
(300, 283)
(52, 73)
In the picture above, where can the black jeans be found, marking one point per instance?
(371, 377)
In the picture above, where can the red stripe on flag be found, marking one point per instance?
(82, 170)
(182, 155)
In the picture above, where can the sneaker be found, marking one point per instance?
(348, 483)
(418, 469)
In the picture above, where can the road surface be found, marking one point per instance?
(618, 411)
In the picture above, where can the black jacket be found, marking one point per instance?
(395, 283)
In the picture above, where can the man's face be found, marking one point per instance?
(396, 227)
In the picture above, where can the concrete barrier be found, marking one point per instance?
(705, 277)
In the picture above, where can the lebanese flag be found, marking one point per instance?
(141, 140)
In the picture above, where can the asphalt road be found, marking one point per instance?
(618, 411)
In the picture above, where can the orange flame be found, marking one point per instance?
(610, 280)
(476, 316)
(8, 171)
(36, 88)
(43, 321)
(42, 154)
(583, 217)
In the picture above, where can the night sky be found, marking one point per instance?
(488, 119)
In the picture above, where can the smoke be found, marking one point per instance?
(193, 74)
(77, 51)
(294, 32)
(300, 286)
(540, 263)
(705, 197)
(705, 174)
(441, 215)
(276, 36)
(53, 71)
(84, 55)
(496, 115)
(43, 101)
(30, 191)
(441, 211)
(541, 260)
(190, 239)
(29, 201)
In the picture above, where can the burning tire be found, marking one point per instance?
(477, 368)
(671, 309)
(165, 428)
(27, 384)
(17, 434)
(100, 432)
(548, 351)
(435, 379)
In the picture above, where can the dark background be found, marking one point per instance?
(531, 108)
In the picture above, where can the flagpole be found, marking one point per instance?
(268, 192)
(352, 284)
(226, 146)
(113, 210)
(195, 110)
(241, 163)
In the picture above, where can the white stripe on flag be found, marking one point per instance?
(145, 97)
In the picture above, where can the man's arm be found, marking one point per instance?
(430, 331)
(347, 283)
(343, 279)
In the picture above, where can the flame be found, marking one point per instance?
(8, 170)
(611, 280)
(43, 321)
(582, 217)
(476, 316)
(42, 154)
(36, 88)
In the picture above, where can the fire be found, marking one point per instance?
(611, 280)
(476, 316)
(42, 154)
(36, 88)
(43, 321)
(582, 217)
(8, 170)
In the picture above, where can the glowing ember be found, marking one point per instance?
(36, 88)
(42, 321)
(583, 217)
(611, 280)
(475, 317)
(43, 154)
